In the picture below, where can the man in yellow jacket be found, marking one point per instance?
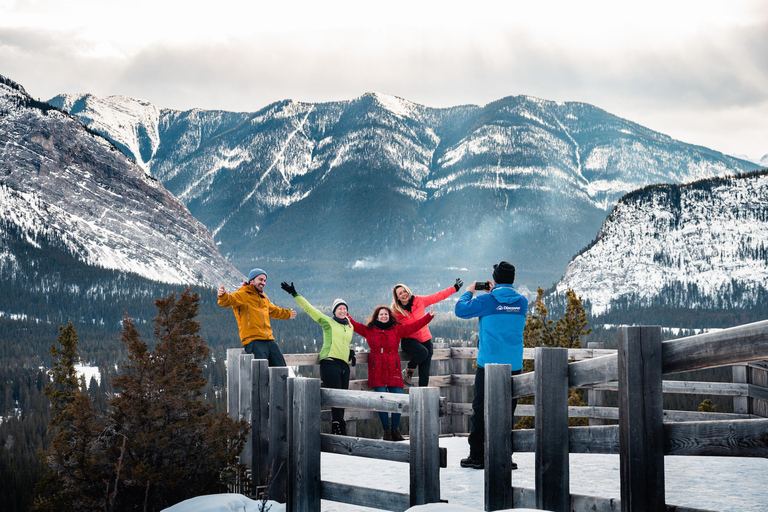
(252, 311)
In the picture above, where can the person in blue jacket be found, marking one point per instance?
(501, 313)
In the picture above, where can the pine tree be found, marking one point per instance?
(70, 481)
(541, 331)
(170, 445)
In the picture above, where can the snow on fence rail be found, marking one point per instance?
(641, 437)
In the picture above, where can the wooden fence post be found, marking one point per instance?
(278, 432)
(498, 445)
(596, 397)
(552, 485)
(424, 404)
(260, 422)
(245, 405)
(233, 382)
(459, 394)
(740, 403)
(304, 446)
(641, 416)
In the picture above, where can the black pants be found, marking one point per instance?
(266, 349)
(477, 420)
(334, 374)
(421, 357)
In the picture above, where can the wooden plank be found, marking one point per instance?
(304, 446)
(365, 496)
(551, 425)
(593, 371)
(368, 448)
(641, 428)
(525, 498)
(245, 405)
(233, 382)
(690, 387)
(498, 447)
(612, 413)
(424, 444)
(260, 422)
(735, 345)
(369, 400)
(758, 392)
(600, 439)
(523, 385)
(278, 431)
(372, 448)
(528, 353)
(738, 438)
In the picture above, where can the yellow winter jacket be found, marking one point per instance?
(252, 312)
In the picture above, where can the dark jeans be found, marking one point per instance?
(477, 420)
(383, 416)
(266, 349)
(334, 374)
(421, 357)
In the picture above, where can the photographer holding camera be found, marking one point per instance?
(501, 313)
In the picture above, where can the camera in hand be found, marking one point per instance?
(482, 285)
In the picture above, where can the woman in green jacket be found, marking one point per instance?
(335, 354)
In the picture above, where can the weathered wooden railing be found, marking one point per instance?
(594, 369)
(284, 448)
(641, 439)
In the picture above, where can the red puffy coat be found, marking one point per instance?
(384, 360)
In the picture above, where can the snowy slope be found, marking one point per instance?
(699, 245)
(521, 178)
(58, 180)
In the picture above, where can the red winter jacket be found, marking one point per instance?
(420, 303)
(384, 360)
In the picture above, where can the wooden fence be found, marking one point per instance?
(645, 432)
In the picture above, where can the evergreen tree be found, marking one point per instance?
(170, 445)
(566, 332)
(71, 480)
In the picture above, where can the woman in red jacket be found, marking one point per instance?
(408, 308)
(383, 333)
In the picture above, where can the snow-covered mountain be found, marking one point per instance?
(702, 245)
(379, 180)
(61, 184)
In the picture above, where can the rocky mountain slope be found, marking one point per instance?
(702, 245)
(62, 184)
(379, 182)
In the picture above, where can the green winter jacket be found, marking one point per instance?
(336, 336)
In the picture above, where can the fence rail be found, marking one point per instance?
(644, 434)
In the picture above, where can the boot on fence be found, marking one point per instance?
(408, 376)
(387, 436)
(396, 435)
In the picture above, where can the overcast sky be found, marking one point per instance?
(695, 70)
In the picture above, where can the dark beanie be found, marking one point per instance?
(504, 273)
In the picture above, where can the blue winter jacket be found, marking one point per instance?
(502, 320)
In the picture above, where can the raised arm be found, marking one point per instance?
(442, 294)
(359, 328)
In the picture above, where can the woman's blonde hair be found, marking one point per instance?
(396, 306)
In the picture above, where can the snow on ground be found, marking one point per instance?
(737, 484)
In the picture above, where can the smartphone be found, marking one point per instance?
(481, 285)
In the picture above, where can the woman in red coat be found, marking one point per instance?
(408, 308)
(383, 333)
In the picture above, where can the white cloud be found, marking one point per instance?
(673, 62)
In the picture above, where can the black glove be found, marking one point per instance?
(289, 288)
(459, 284)
(352, 358)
